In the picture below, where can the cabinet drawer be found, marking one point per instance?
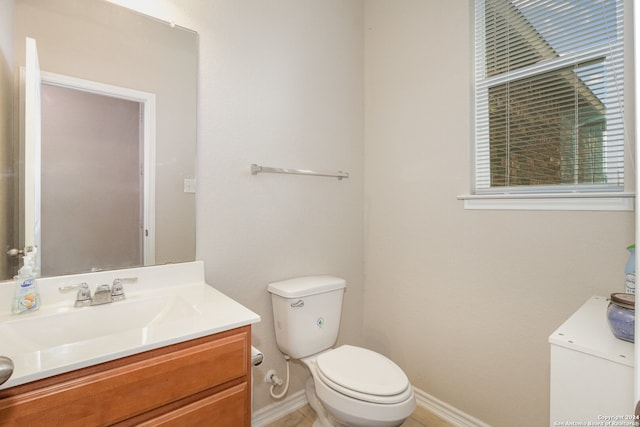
(126, 390)
(223, 409)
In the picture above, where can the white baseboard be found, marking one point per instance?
(446, 411)
(277, 410)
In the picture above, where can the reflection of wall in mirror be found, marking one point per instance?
(8, 236)
(91, 199)
(80, 42)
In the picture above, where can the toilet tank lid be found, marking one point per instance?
(306, 286)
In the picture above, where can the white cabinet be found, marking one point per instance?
(591, 370)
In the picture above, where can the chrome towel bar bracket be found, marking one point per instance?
(256, 169)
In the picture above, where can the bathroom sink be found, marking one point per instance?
(137, 315)
(168, 304)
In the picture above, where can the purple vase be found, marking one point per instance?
(621, 314)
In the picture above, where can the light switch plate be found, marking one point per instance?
(189, 185)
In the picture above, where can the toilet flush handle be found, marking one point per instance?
(299, 303)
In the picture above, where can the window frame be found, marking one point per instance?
(555, 197)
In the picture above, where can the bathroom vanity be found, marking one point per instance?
(206, 378)
(180, 356)
(592, 371)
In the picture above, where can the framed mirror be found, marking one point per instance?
(97, 42)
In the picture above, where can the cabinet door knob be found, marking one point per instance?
(6, 369)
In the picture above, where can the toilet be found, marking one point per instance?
(349, 386)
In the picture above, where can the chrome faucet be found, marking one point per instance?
(104, 294)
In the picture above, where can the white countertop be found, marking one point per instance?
(587, 330)
(191, 309)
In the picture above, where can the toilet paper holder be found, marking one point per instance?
(256, 356)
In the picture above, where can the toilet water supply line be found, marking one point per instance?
(310, 391)
(276, 382)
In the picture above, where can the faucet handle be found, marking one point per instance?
(68, 288)
(117, 290)
(127, 280)
(83, 297)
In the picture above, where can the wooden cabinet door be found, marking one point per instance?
(224, 409)
(144, 383)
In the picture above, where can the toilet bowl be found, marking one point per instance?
(353, 385)
(361, 388)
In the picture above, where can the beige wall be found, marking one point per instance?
(280, 85)
(470, 296)
(7, 231)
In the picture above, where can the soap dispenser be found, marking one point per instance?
(26, 297)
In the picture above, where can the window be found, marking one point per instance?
(549, 97)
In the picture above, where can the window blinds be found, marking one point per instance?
(549, 96)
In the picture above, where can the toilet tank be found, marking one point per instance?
(306, 313)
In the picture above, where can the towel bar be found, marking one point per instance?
(256, 169)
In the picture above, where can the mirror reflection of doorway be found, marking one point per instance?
(92, 193)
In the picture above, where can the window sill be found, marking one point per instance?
(551, 202)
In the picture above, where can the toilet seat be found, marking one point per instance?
(364, 375)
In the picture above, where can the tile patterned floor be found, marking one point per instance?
(305, 417)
